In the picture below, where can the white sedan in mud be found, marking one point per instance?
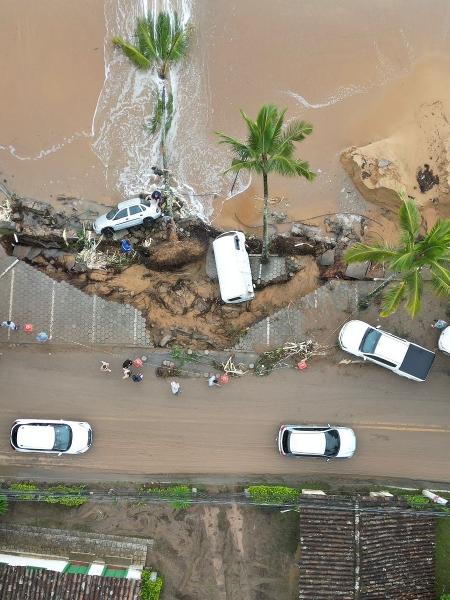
(316, 440)
(50, 436)
(130, 213)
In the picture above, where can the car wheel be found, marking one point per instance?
(108, 232)
(147, 222)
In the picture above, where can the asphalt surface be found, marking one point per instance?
(141, 429)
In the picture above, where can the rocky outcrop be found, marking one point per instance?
(415, 160)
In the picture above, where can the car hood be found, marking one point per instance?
(348, 442)
(100, 223)
(351, 335)
(444, 340)
(80, 438)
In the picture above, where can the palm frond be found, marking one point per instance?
(414, 284)
(439, 234)
(404, 260)
(146, 39)
(409, 218)
(296, 131)
(375, 254)
(440, 278)
(392, 299)
(248, 165)
(136, 57)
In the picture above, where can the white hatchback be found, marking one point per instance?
(50, 436)
(316, 440)
(130, 213)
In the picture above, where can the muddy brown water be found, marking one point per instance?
(351, 68)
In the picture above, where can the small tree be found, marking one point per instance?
(408, 259)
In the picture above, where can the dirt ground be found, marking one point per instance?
(203, 553)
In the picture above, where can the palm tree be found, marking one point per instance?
(407, 260)
(269, 149)
(161, 42)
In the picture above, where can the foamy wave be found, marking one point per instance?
(46, 151)
(341, 94)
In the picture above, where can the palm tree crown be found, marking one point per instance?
(408, 259)
(269, 148)
(160, 42)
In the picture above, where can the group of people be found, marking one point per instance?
(137, 376)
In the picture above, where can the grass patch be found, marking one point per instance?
(443, 557)
(70, 496)
(273, 494)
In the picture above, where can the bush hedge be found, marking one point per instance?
(27, 491)
(65, 495)
(150, 590)
(173, 491)
(273, 494)
(417, 501)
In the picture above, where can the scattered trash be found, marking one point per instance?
(126, 246)
(105, 367)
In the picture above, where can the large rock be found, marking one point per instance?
(315, 234)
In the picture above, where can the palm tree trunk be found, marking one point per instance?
(265, 247)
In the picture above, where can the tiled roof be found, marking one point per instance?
(20, 583)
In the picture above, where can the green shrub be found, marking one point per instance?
(445, 597)
(3, 504)
(173, 491)
(417, 501)
(150, 590)
(72, 495)
(27, 491)
(180, 504)
(273, 494)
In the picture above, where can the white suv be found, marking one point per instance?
(127, 214)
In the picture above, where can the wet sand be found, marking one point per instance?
(352, 69)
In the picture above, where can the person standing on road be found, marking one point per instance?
(213, 381)
(127, 363)
(10, 325)
(175, 387)
(126, 373)
(105, 367)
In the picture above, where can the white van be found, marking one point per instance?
(233, 267)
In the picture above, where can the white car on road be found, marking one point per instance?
(127, 214)
(50, 436)
(387, 350)
(316, 440)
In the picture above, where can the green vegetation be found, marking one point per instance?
(443, 557)
(269, 148)
(65, 495)
(178, 494)
(150, 590)
(273, 494)
(3, 504)
(27, 491)
(414, 253)
(182, 356)
(417, 501)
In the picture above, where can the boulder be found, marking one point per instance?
(67, 261)
(21, 252)
(79, 267)
(327, 258)
(314, 234)
(7, 227)
(165, 340)
(357, 270)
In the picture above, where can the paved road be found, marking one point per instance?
(403, 428)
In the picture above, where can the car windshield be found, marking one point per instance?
(111, 214)
(370, 341)
(332, 442)
(63, 438)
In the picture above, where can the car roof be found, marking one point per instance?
(307, 442)
(39, 437)
(391, 348)
(127, 203)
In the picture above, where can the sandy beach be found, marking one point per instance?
(357, 71)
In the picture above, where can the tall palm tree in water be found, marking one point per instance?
(161, 41)
(269, 148)
(408, 259)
